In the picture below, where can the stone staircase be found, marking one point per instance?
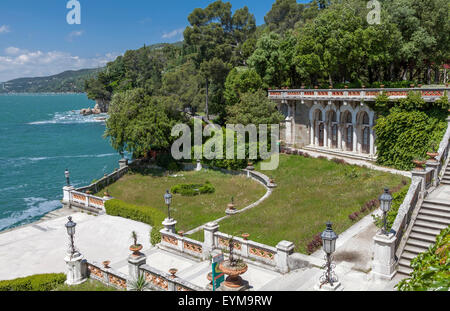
(446, 178)
(433, 216)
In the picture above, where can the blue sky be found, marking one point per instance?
(36, 40)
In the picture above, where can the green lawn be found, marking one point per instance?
(309, 193)
(89, 285)
(190, 212)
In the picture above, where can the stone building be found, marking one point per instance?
(336, 121)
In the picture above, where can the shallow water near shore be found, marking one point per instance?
(40, 136)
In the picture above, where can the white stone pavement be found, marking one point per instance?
(40, 248)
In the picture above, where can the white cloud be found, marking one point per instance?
(74, 34)
(18, 63)
(4, 29)
(173, 33)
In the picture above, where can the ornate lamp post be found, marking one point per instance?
(70, 226)
(168, 200)
(329, 238)
(67, 174)
(385, 205)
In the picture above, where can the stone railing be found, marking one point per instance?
(406, 209)
(181, 244)
(162, 281)
(79, 197)
(107, 276)
(87, 201)
(443, 157)
(428, 94)
(104, 181)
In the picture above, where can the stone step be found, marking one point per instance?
(404, 262)
(404, 270)
(445, 182)
(425, 230)
(419, 243)
(414, 249)
(429, 224)
(437, 205)
(439, 220)
(433, 212)
(423, 237)
(408, 255)
(344, 154)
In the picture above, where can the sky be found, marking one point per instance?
(36, 39)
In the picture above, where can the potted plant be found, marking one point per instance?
(432, 152)
(140, 284)
(135, 248)
(231, 205)
(419, 161)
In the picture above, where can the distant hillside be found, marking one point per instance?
(67, 81)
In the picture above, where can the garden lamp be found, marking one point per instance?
(385, 205)
(67, 174)
(70, 226)
(168, 199)
(329, 238)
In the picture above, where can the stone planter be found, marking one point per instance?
(245, 236)
(230, 206)
(419, 165)
(106, 264)
(233, 280)
(173, 271)
(135, 249)
(432, 155)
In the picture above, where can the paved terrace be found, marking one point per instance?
(41, 247)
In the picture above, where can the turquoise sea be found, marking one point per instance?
(40, 136)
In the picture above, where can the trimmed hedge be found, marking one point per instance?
(155, 236)
(145, 214)
(37, 282)
(193, 189)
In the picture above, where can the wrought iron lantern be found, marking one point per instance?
(70, 226)
(329, 238)
(67, 174)
(168, 200)
(385, 206)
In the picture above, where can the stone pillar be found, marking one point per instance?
(66, 194)
(434, 165)
(355, 138)
(422, 176)
(75, 269)
(383, 265)
(372, 142)
(123, 163)
(339, 137)
(208, 242)
(169, 224)
(325, 134)
(134, 262)
(311, 141)
(284, 249)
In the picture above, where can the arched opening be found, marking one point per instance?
(321, 133)
(318, 127)
(349, 138)
(364, 132)
(334, 128)
(347, 130)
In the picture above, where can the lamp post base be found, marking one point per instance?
(337, 286)
(169, 224)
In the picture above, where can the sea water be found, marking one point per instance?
(40, 136)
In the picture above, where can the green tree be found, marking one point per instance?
(239, 81)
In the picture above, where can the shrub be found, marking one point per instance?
(143, 214)
(314, 244)
(338, 161)
(193, 189)
(352, 173)
(37, 282)
(155, 236)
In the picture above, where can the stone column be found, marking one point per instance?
(293, 124)
(355, 138)
(372, 142)
(422, 176)
(434, 165)
(284, 249)
(134, 262)
(208, 242)
(325, 134)
(123, 163)
(383, 265)
(75, 269)
(169, 224)
(339, 137)
(312, 141)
